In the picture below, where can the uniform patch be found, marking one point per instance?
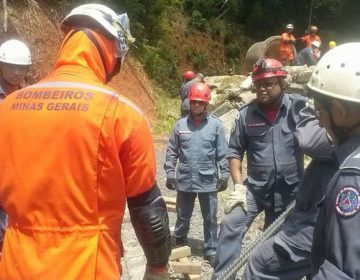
(184, 132)
(347, 201)
(256, 124)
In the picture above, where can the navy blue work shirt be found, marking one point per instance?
(336, 248)
(275, 161)
(184, 94)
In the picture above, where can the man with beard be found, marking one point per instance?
(265, 129)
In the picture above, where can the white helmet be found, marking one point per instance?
(15, 52)
(104, 18)
(289, 26)
(337, 74)
(316, 44)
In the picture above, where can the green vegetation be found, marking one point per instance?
(168, 111)
(165, 32)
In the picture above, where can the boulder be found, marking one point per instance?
(223, 109)
(228, 120)
(228, 92)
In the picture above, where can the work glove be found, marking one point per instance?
(156, 273)
(236, 198)
(222, 185)
(171, 184)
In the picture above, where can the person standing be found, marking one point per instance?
(75, 152)
(311, 37)
(265, 130)
(287, 45)
(15, 60)
(197, 147)
(335, 87)
(189, 80)
(287, 255)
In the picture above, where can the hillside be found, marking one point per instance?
(37, 25)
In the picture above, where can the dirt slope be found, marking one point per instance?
(37, 25)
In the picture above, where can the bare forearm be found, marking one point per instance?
(235, 170)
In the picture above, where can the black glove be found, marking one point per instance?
(171, 184)
(222, 185)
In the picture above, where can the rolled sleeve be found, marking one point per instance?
(237, 142)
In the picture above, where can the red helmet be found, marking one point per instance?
(267, 67)
(188, 75)
(200, 92)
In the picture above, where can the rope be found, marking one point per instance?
(270, 231)
(310, 15)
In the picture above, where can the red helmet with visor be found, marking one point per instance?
(266, 68)
(200, 92)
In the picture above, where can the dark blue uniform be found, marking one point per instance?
(184, 95)
(287, 255)
(275, 167)
(336, 248)
(198, 154)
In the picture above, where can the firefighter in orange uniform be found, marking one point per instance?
(287, 45)
(311, 37)
(73, 152)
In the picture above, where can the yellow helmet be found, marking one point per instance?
(332, 44)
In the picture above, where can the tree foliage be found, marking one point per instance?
(227, 21)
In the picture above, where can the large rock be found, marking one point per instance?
(230, 91)
(228, 120)
(225, 81)
(296, 88)
(303, 77)
(246, 84)
(247, 96)
(295, 70)
(222, 109)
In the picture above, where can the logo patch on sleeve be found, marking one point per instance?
(347, 201)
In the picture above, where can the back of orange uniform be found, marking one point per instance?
(308, 39)
(72, 152)
(287, 46)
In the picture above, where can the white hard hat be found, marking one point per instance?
(103, 18)
(15, 52)
(316, 44)
(289, 26)
(337, 74)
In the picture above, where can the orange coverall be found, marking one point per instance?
(72, 151)
(286, 47)
(308, 39)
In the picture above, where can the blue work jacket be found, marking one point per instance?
(336, 247)
(197, 154)
(184, 94)
(275, 162)
(297, 232)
